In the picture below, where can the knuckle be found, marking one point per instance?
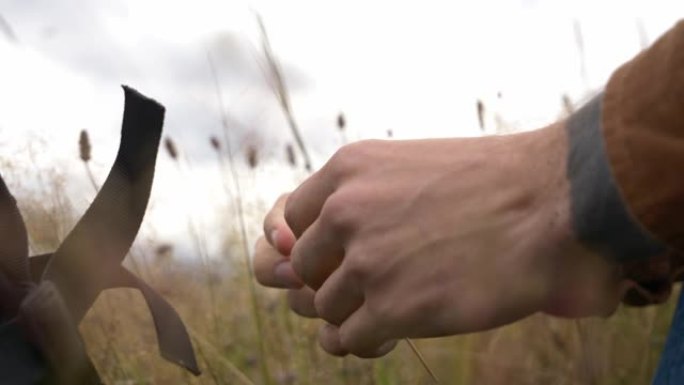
(382, 312)
(341, 159)
(356, 269)
(282, 199)
(349, 157)
(338, 213)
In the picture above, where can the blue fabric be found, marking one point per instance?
(21, 363)
(671, 367)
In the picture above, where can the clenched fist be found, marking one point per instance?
(396, 239)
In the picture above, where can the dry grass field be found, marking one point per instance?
(245, 334)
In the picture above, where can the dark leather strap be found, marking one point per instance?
(13, 238)
(49, 326)
(89, 259)
(82, 265)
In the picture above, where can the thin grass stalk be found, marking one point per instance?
(7, 30)
(214, 377)
(216, 353)
(586, 365)
(282, 93)
(201, 247)
(197, 237)
(301, 361)
(415, 350)
(91, 177)
(579, 42)
(644, 41)
(237, 200)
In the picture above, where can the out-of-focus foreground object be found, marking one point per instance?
(43, 298)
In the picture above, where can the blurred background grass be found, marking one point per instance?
(246, 335)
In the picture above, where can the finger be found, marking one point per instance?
(316, 255)
(305, 203)
(330, 340)
(338, 298)
(276, 230)
(301, 301)
(362, 335)
(273, 269)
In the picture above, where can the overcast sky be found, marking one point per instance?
(416, 68)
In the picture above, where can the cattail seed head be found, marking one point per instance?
(171, 148)
(480, 114)
(215, 143)
(84, 146)
(341, 122)
(252, 156)
(291, 156)
(164, 250)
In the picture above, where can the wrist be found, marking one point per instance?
(544, 155)
(577, 281)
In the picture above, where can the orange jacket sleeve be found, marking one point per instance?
(643, 129)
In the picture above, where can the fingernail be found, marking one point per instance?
(286, 275)
(274, 237)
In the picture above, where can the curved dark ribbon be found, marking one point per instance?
(89, 260)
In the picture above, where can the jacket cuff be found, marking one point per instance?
(601, 219)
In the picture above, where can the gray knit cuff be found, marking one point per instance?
(600, 216)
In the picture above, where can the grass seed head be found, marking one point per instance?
(341, 122)
(171, 148)
(84, 146)
(164, 249)
(252, 156)
(215, 144)
(480, 114)
(291, 156)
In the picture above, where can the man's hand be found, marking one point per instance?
(395, 239)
